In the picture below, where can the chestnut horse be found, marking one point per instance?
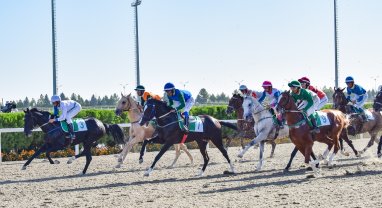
(138, 133)
(299, 130)
(377, 106)
(356, 126)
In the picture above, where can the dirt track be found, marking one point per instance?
(354, 182)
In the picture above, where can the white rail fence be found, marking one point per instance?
(76, 148)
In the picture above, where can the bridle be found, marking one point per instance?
(129, 108)
(152, 115)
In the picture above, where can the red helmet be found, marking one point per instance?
(304, 80)
(267, 84)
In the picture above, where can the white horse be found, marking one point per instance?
(138, 133)
(264, 127)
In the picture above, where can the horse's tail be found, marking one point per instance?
(229, 125)
(116, 131)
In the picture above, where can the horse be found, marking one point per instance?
(169, 126)
(356, 126)
(377, 106)
(245, 127)
(138, 133)
(55, 138)
(300, 134)
(264, 126)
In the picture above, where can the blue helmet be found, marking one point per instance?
(349, 79)
(55, 98)
(169, 86)
(243, 87)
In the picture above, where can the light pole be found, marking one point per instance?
(135, 4)
(54, 46)
(335, 45)
(375, 82)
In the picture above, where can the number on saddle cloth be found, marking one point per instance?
(195, 123)
(79, 124)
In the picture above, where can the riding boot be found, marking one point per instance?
(185, 126)
(71, 132)
(363, 115)
(315, 129)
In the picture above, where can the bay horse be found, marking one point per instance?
(138, 133)
(169, 130)
(245, 128)
(55, 138)
(299, 130)
(356, 125)
(264, 126)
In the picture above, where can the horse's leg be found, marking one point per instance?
(203, 149)
(159, 155)
(261, 161)
(88, 154)
(177, 154)
(256, 140)
(292, 155)
(370, 143)
(132, 141)
(185, 149)
(307, 153)
(47, 153)
(273, 149)
(217, 141)
(143, 150)
(345, 137)
(37, 153)
(379, 147)
(336, 148)
(82, 153)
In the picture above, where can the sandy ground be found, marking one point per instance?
(353, 182)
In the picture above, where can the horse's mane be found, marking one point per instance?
(158, 102)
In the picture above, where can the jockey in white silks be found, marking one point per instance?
(69, 109)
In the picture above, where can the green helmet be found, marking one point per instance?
(140, 87)
(294, 83)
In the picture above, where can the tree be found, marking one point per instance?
(213, 98)
(93, 101)
(202, 97)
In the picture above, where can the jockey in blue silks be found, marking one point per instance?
(357, 95)
(181, 100)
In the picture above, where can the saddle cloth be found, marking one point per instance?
(78, 125)
(321, 118)
(195, 124)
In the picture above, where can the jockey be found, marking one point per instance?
(246, 92)
(69, 109)
(356, 95)
(272, 95)
(305, 83)
(144, 95)
(300, 94)
(180, 100)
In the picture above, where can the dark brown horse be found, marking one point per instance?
(245, 127)
(356, 125)
(299, 129)
(377, 106)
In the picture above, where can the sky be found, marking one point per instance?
(214, 44)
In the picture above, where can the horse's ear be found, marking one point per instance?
(335, 88)
(122, 94)
(129, 95)
(343, 89)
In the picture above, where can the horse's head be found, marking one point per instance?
(126, 103)
(251, 106)
(34, 118)
(377, 105)
(339, 98)
(285, 102)
(154, 108)
(235, 103)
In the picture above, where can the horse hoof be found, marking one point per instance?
(56, 162)
(148, 172)
(286, 170)
(345, 153)
(140, 161)
(320, 157)
(118, 166)
(200, 173)
(226, 172)
(379, 155)
(309, 169)
(325, 162)
(24, 167)
(120, 160)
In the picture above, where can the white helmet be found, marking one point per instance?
(55, 98)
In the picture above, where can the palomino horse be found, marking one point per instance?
(140, 133)
(55, 139)
(299, 129)
(264, 127)
(356, 126)
(170, 131)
